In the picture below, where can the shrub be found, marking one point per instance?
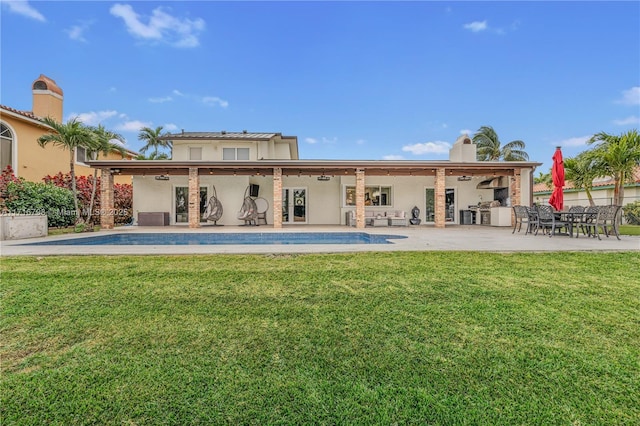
(41, 198)
(122, 196)
(632, 213)
(6, 178)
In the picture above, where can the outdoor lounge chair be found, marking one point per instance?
(249, 210)
(214, 210)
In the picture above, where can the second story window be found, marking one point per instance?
(195, 153)
(235, 153)
(82, 155)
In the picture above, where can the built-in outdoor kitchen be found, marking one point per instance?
(495, 212)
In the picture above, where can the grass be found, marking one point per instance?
(629, 230)
(372, 338)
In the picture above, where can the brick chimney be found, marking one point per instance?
(47, 98)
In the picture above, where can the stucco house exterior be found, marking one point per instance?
(20, 130)
(313, 192)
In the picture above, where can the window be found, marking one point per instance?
(373, 196)
(82, 156)
(6, 143)
(235, 153)
(195, 153)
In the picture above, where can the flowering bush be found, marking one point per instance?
(6, 177)
(122, 196)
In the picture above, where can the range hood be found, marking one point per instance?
(494, 183)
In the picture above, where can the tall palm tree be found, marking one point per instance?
(490, 149)
(153, 156)
(616, 156)
(71, 135)
(152, 139)
(102, 143)
(581, 171)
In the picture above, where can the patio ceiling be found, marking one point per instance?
(311, 168)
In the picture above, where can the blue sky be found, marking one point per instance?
(352, 80)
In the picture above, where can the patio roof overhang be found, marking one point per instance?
(313, 167)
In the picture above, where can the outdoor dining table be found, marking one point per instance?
(573, 218)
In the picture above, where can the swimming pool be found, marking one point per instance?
(257, 238)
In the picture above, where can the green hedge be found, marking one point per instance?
(40, 198)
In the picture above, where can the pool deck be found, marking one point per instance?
(420, 238)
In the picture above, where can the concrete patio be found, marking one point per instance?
(420, 238)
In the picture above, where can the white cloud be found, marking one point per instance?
(466, 132)
(630, 96)
(392, 157)
(476, 26)
(94, 118)
(574, 142)
(360, 142)
(76, 32)
(177, 92)
(631, 120)
(178, 32)
(161, 100)
(132, 126)
(214, 100)
(170, 127)
(22, 7)
(323, 140)
(437, 147)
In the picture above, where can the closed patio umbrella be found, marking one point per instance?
(557, 175)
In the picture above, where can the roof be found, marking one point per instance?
(49, 84)
(318, 167)
(223, 135)
(597, 183)
(27, 114)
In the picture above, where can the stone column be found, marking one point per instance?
(277, 197)
(440, 217)
(515, 193)
(194, 198)
(106, 199)
(360, 224)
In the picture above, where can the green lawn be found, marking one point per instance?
(374, 338)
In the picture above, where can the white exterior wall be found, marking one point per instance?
(325, 199)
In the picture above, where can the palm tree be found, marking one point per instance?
(489, 148)
(152, 139)
(71, 135)
(616, 156)
(102, 143)
(153, 156)
(543, 178)
(581, 171)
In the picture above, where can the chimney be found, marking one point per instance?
(463, 150)
(47, 98)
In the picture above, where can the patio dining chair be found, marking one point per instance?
(521, 216)
(588, 221)
(550, 221)
(533, 221)
(607, 221)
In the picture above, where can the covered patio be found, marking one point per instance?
(277, 169)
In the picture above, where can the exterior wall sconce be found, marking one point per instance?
(464, 178)
(324, 178)
(162, 177)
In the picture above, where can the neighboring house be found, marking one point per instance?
(314, 192)
(20, 130)
(601, 192)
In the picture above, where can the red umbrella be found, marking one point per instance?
(557, 174)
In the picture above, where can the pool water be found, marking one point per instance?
(225, 239)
